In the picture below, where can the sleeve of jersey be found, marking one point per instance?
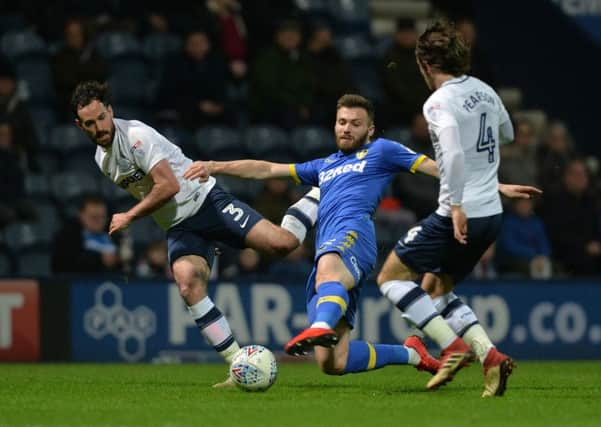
(306, 173)
(146, 151)
(397, 157)
(453, 158)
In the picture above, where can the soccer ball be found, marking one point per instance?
(254, 368)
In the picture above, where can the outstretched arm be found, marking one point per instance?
(253, 169)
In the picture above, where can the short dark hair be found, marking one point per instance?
(351, 100)
(441, 47)
(86, 92)
(90, 199)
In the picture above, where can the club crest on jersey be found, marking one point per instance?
(361, 154)
(136, 149)
(124, 165)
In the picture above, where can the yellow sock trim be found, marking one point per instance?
(372, 356)
(335, 299)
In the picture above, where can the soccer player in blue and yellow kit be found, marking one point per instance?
(351, 182)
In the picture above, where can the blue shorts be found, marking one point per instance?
(430, 246)
(357, 249)
(221, 218)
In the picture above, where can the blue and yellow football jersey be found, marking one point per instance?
(352, 184)
(351, 187)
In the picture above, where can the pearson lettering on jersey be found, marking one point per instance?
(138, 175)
(470, 102)
(339, 170)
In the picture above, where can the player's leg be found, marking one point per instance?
(332, 281)
(190, 256)
(396, 282)
(458, 315)
(362, 356)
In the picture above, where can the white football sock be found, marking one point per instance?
(414, 358)
(302, 216)
(478, 341)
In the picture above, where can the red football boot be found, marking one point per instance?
(428, 362)
(309, 338)
(497, 368)
(456, 356)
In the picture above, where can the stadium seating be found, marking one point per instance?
(67, 137)
(44, 119)
(267, 143)
(350, 16)
(35, 263)
(34, 71)
(68, 186)
(20, 236)
(400, 134)
(15, 44)
(114, 44)
(313, 142)
(219, 143)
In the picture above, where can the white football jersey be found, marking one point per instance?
(477, 111)
(136, 149)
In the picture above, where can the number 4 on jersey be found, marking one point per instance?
(486, 141)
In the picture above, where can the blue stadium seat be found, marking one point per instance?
(6, 264)
(44, 119)
(144, 231)
(35, 263)
(158, 46)
(112, 192)
(81, 159)
(366, 80)
(49, 217)
(37, 186)
(400, 134)
(67, 186)
(350, 16)
(21, 235)
(244, 189)
(113, 44)
(354, 47)
(68, 136)
(34, 70)
(131, 89)
(15, 44)
(267, 143)
(49, 161)
(219, 143)
(313, 142)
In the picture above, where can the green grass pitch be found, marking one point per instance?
(538, 394)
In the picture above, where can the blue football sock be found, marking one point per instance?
(332, 302)
(364, 356)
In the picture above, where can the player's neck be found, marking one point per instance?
(440, 78)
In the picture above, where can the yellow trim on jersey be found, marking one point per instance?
(372, 356)
(293, 174)
(335, 299)
(416, 164)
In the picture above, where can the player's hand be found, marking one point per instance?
(119, 221)
(459, 224)
(519, 191)
(200, 170)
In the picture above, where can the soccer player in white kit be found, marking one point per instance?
(194, 214)
(467, 122)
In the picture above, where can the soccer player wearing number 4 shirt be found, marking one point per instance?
(467, 121)
(194, 214)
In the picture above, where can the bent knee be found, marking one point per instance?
(191, 277)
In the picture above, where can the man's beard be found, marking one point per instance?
(357, 142)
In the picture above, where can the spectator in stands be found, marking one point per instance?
(418, 192)
(154, 262)
(84, 246)
(481, 67)
(518, 159)
(280, 83)
(330, 74)
(16, 111)
(404, 88)
(522, 244)
(77, 60)
(553, 155)
(247, 263)
(572, 218)
(13, 203)
(193, 84)
(232, 34)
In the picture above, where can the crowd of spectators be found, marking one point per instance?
(220, 68)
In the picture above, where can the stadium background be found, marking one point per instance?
(542, 57)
